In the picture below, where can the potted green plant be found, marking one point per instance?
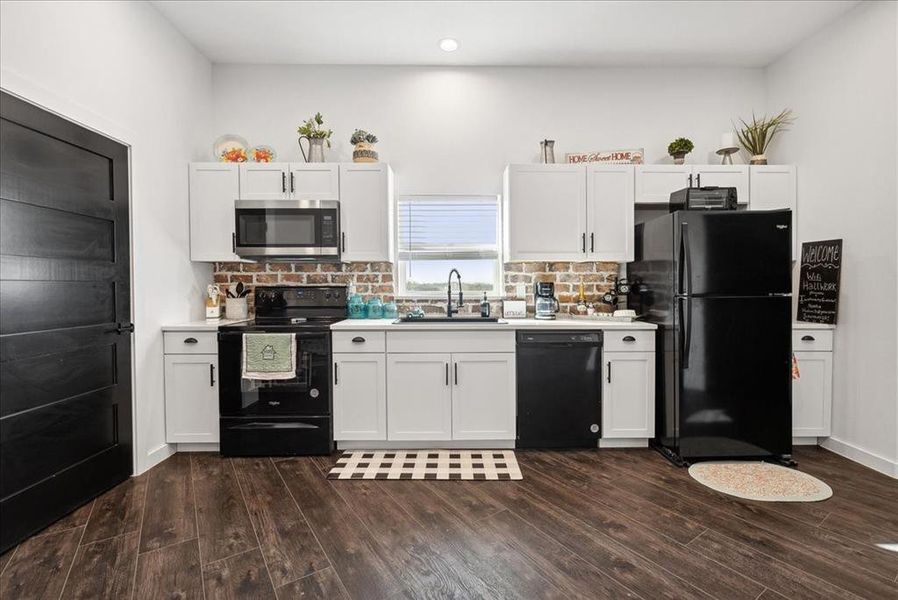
(312, 130)
(756, 136)
(363, 143)
(679, 148)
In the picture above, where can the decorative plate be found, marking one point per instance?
(262, 154)
(230, 148)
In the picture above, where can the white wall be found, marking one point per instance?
(120, 68)
(841, 83)
(453, 130)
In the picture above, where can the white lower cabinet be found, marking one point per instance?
(419, 402)
(628, 395)
(483, 396)
(812, 394)
(360, 397)
(191, 398)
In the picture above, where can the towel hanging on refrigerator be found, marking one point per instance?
(269, 356)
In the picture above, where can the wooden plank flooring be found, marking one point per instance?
(582, 524)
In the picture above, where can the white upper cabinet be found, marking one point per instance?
(723, 176)
(366, 212)
(545, 212)
(213, 189)
(609, 190)
(654, 183)
(264, 181)
(773, 187)
(314, 181)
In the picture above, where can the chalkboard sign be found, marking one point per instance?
(818, 282)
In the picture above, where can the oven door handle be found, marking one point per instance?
(259, 425)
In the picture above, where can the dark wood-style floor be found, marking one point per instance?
(590, 524)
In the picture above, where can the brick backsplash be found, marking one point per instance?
(377, 279)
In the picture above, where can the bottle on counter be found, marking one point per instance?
(581, 301)
(484, 307)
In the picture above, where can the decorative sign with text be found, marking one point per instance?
(614, 157)
(818, 281)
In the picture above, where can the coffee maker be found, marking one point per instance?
(546, 304)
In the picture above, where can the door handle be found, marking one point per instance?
(592, 242)
(698, 179)
(686, 264)
(126, 328)
(283, 182)
(609, 371)
(234, 243)
(807, 338)
(190, 340)
(358, 340)
(686, 327)
(343, 242)
(447, 373)
(292, 183)
(211, 375)
(456, 373)
(629, 338)
(336, 378)
(690, 180)
(583, 243)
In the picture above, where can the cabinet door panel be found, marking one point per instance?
(772, 187)
(213, 189)
(723, 176)
(191, 398)
(628, 395)
(314, 181)
(654, 183)
(264, 181)
(419, 404)
(812, 395)
(360, 397)
(483, 396)
(366, 212)
(545, 212)
(609, 190)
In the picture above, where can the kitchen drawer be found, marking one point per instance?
(450, 341)
(359, 341)
(616, 340)
(804, 340)
(190, 342)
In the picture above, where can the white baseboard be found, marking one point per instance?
(859, 455)
(154, 457)
(195, 447)
(446, 444)
(805, 441)
(623, 443)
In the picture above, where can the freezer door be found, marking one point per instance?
(733, 253)
(734, 389)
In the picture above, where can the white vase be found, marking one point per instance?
(235, 308)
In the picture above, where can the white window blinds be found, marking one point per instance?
(448, 227)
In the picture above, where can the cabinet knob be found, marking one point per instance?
(807, 338)
(190, 340)
(358, 340)
(629, 338)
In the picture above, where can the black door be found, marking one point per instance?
(65, 345)
(735, 387)
(730, 253)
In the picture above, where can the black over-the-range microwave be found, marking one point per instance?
(288, 229)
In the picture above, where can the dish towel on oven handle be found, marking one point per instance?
(796, 374)
(269, 356)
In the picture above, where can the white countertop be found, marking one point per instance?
(503, 324)
(206, 325)
(802, 325)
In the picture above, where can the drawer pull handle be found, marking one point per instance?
(807, 338)
(629, 338)
(358, 340)
(190, 340)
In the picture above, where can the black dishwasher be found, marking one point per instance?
(559, 389)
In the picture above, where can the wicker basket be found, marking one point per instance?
(364, 153)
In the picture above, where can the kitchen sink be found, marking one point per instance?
(443, 319)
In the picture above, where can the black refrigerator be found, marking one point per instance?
(718, 285)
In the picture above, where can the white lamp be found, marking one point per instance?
(728, 147)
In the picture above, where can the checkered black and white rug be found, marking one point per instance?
(484, 465)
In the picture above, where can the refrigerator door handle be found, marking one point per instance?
(685, 260)
(686, 329)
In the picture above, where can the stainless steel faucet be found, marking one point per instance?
(449, 310)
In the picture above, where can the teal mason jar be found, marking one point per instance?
(391, 311)
(356, 307)
(375, 308)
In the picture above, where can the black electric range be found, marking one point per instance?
(281, 417)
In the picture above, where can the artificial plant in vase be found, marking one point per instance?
(756, 136)
(679, 148)
(312, 130)
(363, 142)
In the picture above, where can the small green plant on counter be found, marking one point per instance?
(360, 135)
(681, 146)
(313, 129)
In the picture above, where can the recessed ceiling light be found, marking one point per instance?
(448, 45)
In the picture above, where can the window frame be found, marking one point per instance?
(401, 292)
